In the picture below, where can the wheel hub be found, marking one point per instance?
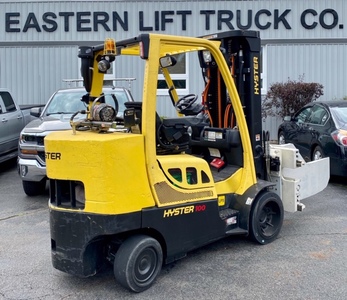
(268, 220)
(146, 265)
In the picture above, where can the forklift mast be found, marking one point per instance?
(241, 50)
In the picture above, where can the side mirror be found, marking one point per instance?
(35, 111)
(167, 61)
(86, 55)
(287, 118)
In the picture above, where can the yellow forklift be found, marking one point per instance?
(144, 190)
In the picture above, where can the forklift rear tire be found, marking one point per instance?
(266, 218)
(138, 262)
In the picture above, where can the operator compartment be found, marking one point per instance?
(221, 148)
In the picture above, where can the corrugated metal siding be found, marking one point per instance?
(321, 63)
(270, 124)
(34, 73)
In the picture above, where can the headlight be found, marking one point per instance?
(206, 56)
(24, 138)
(103, 65)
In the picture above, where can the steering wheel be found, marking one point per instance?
(185, 102)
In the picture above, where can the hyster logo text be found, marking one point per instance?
(183, 210)
(256, 75)
(53, 155)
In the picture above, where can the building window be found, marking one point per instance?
(178, 75)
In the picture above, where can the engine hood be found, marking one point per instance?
(49, 123)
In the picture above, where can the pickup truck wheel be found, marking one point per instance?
(266, 218)
(33, 188)
(138, 262)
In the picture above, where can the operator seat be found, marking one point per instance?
(171, 133)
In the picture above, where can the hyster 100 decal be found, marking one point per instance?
(183, 210)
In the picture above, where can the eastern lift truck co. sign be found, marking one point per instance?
(94, 21)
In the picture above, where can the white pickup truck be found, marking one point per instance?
(13, 118)
(55, 116)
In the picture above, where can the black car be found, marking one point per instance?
(319, 130)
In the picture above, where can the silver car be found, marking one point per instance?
(55, 116)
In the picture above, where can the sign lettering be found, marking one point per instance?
(88, 21)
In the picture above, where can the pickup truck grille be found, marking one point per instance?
(41, 155)
(64, 193)
(40, 140)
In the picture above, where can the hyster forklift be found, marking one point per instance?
(144, 190)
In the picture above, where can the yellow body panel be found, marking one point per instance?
(184, 162)
(231, 184)
(183, 188)
(98, 80)
(111, 166)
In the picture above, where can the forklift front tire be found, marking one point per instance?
(138, 262)
(266, 218)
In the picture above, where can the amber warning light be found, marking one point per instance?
(110, 47)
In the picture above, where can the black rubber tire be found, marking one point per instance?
(34, 188)
(138, 262)
(317, 153)
(266, 218)
(281, 140)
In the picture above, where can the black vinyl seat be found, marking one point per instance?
(171, 133)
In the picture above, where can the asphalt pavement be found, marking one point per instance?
(307, 261)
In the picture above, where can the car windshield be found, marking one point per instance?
(70, 102)
(339, 115)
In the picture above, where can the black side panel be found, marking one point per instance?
(75, 249)
(185, 227)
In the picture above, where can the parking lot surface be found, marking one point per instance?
(307, 261)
